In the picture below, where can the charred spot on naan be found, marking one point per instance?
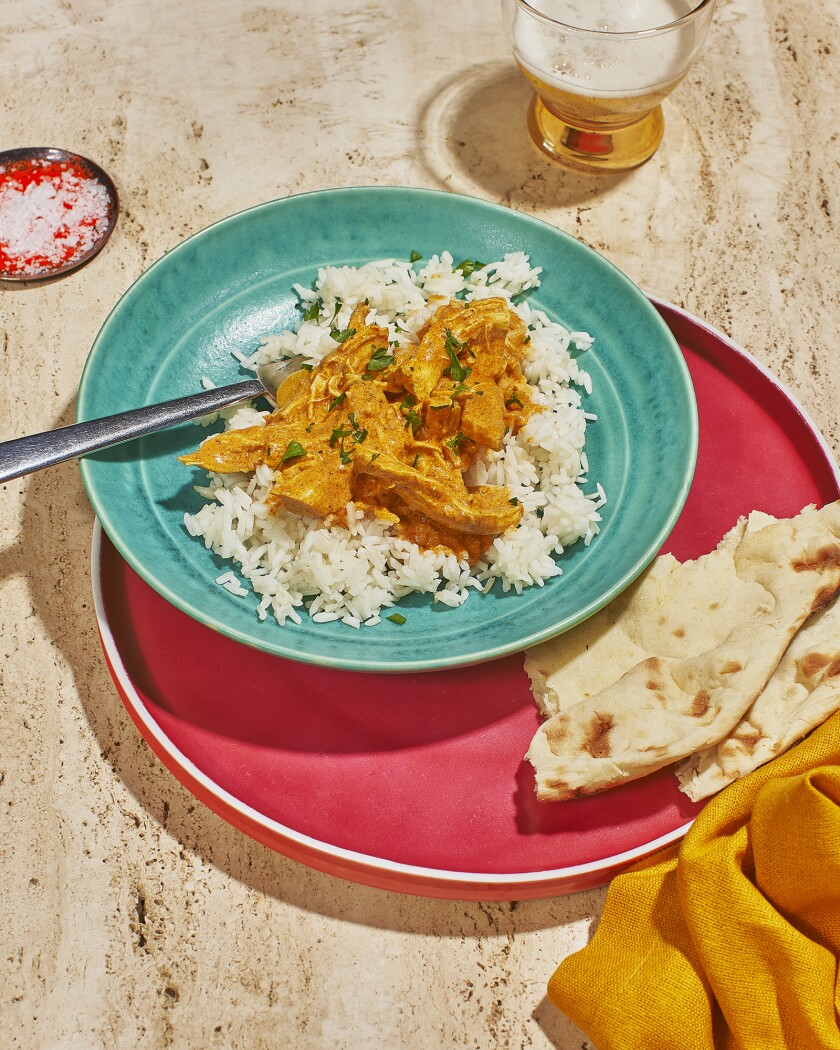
(597, 734)
(748, 741)
(556, 731)
(824, 559)
(656, 687)
(812, 664)
(825, 597)
(557, 790)
(700, 704)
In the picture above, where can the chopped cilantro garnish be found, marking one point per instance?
(513, 400)
(469, 265)
(411, 417)
(342, 337)
(397, 618)
(338, 435)
(312, 311)
(452, 341)
(415, 257)
(514, 502)
(416, 461)
(336, 401)
(456, 370)
(380, 359)
(339, 302)
(307, 367)
(456, 442)
(293, 450)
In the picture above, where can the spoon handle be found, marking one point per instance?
(27, 454)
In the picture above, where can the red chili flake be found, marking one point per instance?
(52, 213)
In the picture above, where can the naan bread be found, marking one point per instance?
(800, 695)
(674, 609)
(689, 695)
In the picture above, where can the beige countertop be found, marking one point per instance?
(131, 915)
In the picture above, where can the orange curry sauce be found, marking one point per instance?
(394, 429)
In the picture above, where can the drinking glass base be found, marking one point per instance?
(585, 149)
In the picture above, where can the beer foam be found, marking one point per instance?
(586, 64)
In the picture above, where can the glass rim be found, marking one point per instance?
(625, 33)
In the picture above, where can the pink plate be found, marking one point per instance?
(416, 782)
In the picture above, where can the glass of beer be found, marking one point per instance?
(600, 70)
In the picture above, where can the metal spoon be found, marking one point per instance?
(27, 454)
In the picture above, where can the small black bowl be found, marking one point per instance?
(22, 160)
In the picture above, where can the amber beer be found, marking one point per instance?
(601, 69)
(598, 112)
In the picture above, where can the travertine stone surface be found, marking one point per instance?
(130, 915)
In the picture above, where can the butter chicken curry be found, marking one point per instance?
(394, 428)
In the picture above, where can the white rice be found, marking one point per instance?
(355, 571)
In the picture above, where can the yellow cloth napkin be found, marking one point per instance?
(731, 939)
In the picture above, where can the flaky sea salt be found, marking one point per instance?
(52, 213)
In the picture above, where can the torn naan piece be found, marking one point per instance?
(666, 707)
(801, 694)
(675, 609)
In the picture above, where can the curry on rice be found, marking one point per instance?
(395, 429)
(432, 445)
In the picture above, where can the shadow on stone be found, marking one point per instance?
(474, 140)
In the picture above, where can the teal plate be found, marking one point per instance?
(229, 285)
